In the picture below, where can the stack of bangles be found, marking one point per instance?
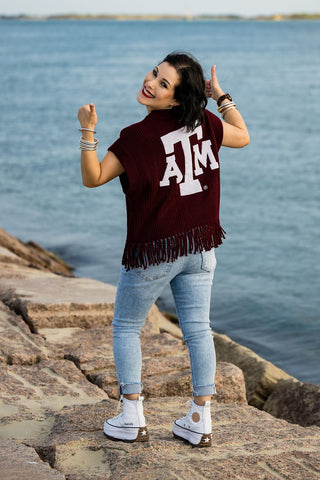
(86, 144)
(223, 109)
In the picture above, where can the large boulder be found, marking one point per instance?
(14, 251)
(166, 365)
(20, 462)
(261, 377)
(248, 444)
(58, 385)
(18, 345)
(31, 395)
(48, 300)
(296, 402)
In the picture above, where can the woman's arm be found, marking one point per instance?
(93, 172)
(235, 133)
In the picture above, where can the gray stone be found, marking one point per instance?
(296, 402)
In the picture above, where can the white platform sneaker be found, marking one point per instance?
(195, 427)
(129, 425)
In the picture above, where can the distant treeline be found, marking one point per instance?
(186, 17)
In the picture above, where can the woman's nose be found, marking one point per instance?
(151, 83)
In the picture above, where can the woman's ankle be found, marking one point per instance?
(202, 400)
(131, 396)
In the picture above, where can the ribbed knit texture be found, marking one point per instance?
(172, 188)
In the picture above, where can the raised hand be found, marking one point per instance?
(212, 87)
(87, 116)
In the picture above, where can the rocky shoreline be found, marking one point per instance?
(58, 384)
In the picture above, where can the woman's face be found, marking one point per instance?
(157, 91)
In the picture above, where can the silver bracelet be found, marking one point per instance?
(226, 111)
(87, 145)
(87, 130)
(225, 105)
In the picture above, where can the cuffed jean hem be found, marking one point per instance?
(204, 390)
(128, 388)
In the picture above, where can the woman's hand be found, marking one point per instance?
(212, 88)
(87, 116)
(235, 133)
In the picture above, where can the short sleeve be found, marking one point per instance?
(216, 126)
(125, 149)
(122, 148)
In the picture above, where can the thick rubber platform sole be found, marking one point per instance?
(122, 435)
(195, 439)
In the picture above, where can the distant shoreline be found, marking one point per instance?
(150, 17)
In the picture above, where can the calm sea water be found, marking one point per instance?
(266, 288)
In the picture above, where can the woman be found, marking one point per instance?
(168, 166)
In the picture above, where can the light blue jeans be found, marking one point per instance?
(190, 278)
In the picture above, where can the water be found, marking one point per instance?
(266, 288)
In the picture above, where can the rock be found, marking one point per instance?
(32, 254)
(58, 405)
(296, 402)
(247, 444)
(166, 366)
(19, 462)
(168, 326)
(47, 300)
(6, 256)
(261, 377)
(18, 345)
(230, 384)
(31, 395)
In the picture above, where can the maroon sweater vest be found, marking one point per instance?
(172, 187)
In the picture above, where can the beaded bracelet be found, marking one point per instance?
(223, 97)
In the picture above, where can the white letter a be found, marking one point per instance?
(172, 170)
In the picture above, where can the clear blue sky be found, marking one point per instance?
(242, 7)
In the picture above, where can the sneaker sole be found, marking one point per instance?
(195, 439)
(142, 435)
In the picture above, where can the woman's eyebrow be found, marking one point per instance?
(163, 79)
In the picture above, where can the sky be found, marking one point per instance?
(194, 7)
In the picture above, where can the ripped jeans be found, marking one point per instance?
(190, 278)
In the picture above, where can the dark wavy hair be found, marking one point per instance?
(190, 92)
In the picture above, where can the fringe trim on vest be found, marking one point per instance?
(170, 248)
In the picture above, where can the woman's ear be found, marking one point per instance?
(174, 103)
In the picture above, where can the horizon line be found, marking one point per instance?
(159, 15)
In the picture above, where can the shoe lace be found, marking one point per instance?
(119, 403)
(121, 415)
(189, 403)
